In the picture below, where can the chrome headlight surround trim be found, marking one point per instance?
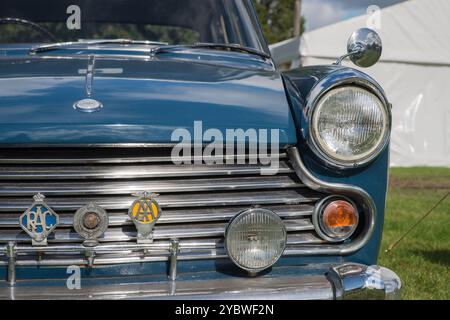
(337, 79)
(317, 218)
(358, 195)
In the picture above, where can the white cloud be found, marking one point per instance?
(321, 13)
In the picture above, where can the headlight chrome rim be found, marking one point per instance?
(318, 223)
(236, 219)
(364, 82)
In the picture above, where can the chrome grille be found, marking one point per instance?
(197, 201)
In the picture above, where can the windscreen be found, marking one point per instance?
(170, 21)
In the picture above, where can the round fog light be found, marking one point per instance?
(336, 219)
(255, 239)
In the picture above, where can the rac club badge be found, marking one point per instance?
(39, 221)
(144, 212)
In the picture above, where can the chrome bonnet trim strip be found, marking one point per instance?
(131, 160)
(98, 145)
(87, 145)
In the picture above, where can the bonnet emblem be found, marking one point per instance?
(89, 105)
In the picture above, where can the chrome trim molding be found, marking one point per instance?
(291, 212)
(55, 188)
(317, 218)
(11, 254)
(336, 79)
(129, 252)
(173, 201)
(347, 281)
(89, 82)
(141, 159)
(87, 145)
(130, 171)
(354, 281)
(94, 145)
(125, 234)
(89, 104)
(311, 287)
(174, 249)
(356, 194)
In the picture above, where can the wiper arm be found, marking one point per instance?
(61, 45)
(207, 45)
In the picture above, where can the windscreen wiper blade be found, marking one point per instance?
(207, 45)
(62, 45)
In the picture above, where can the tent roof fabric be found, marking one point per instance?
(414, 70)
(414, 31)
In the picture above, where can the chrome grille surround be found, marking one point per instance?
(196, 208)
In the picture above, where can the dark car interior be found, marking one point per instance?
(171, 21)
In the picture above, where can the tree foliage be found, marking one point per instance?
(277, 19)
(13, 33)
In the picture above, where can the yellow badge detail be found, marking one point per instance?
(145, 210)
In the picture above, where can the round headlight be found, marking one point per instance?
(350, 125)
(255, 239)
(335, 219)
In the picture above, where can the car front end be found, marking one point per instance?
(147, 170)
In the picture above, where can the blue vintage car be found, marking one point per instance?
(150, 148)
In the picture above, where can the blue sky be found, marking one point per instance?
(319, 13)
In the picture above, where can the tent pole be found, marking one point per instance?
(297, 17)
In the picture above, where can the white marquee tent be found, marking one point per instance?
(414, 70)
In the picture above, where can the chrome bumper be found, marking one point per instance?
(348, 281)
(357, 281)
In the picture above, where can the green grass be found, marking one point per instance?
(422, 259)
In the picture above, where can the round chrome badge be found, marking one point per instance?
(91, 222)
(88, 105)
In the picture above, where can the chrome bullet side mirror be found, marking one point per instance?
(364, 48)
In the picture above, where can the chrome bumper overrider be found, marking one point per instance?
(347, 281)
